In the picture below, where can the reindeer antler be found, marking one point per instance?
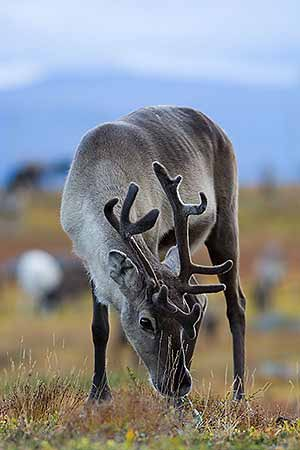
(187, 320)
(181, 213)
(127, 229)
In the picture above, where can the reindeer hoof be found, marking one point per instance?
(99, 396)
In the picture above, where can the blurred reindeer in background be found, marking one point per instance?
(31, 176)
(269, 271)
(47, 280)
(21, 183)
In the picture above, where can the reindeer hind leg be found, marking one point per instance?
(223, 244)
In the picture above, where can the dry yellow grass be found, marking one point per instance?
(46, 361)
(52, 413)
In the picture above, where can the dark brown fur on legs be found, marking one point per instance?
(100, 331)
(223, 244)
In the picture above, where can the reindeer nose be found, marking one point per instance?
(185, 384)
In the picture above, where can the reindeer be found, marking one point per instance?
(48, 279)
(160, 304)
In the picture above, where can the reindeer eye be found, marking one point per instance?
(146, 324)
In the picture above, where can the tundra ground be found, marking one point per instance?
(46, 361)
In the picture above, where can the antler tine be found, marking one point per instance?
(196, 289)
(212, 270)
(181, 213)
(128, 229)
(110, 215)
(161, 299)
(187, 320)
(140, 226)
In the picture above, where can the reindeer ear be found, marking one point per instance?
(123, 271)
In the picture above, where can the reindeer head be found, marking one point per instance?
(162, 311)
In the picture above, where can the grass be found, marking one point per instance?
(52, 413)
(46, 361)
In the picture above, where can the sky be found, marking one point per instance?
(247, 42)
(236, 60)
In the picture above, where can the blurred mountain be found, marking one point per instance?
(45, 121)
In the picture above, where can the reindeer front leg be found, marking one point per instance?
(100, 331)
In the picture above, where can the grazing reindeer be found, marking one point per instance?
(160, 310)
